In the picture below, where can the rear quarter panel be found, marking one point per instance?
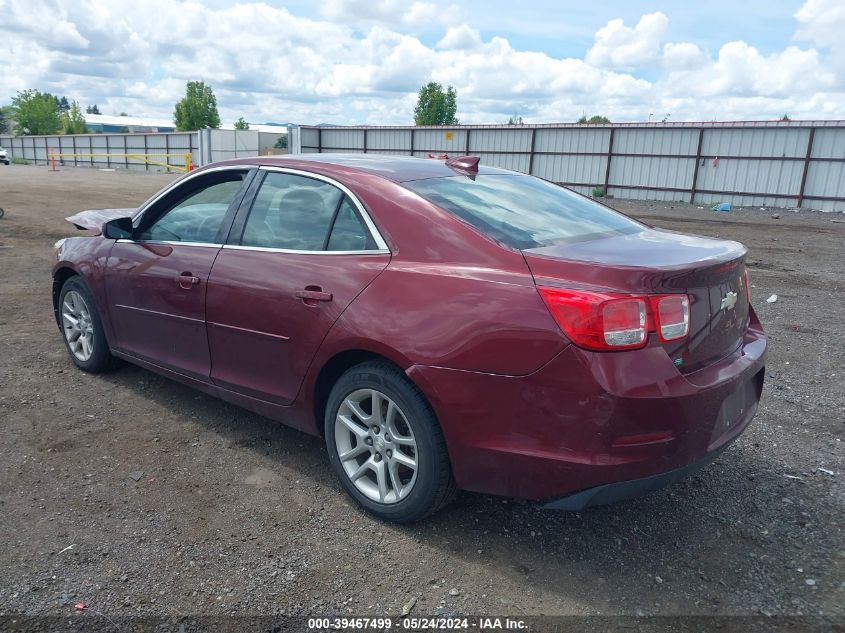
(450, 297)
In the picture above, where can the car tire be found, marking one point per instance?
(413, 494)
(76, 302)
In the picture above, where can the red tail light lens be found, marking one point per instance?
(672, 312)
(604, 321)
(598, 321)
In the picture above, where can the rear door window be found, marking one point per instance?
(522, 211)
(292, 212)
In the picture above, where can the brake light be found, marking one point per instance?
(598, 321)
(605, 321)
(672, 312)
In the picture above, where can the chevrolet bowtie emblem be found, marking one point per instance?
(728, 301)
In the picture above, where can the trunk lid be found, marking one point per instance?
(654, 261)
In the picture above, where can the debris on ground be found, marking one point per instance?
(454, 592)
(406, 609)
(80, 606)
(721, 206)
(72, 545)
(136, 475)
(776, 216)
(825, 471)
(772, 299)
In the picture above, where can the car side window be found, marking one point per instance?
(291, 212)
(196, 215)
(349, 233)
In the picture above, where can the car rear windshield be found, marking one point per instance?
(522, 211)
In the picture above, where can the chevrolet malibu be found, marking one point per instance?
(443, 325)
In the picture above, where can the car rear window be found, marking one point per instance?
(522, 211)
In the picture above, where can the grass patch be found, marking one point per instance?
(17, 160)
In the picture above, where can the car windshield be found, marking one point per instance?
(522, 211)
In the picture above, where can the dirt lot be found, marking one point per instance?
(234, 514)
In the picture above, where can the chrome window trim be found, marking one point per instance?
(265, 249)
(180, 181)
(371, 227)
(169, 243)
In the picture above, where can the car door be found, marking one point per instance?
(156, 282)
(302, 249)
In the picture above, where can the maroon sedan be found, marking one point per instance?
(442, 325)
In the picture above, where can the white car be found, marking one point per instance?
(4, 156)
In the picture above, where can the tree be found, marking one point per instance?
(282, 142)
(785, 117)
(92, 109)
(198, 109)
(4, 122)
(515, 120)
(35, 113)
(593, 119)
(62, 104)
(241, 124)
(72, 121)
(436, 107)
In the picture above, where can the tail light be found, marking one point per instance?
(672, 312)
(604, 321)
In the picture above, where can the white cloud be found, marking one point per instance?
(394, 13)
(823, 23)
(459, 38)
(623, 47)
(682, 56)
(363, 62)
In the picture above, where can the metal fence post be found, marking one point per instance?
(806, 166)
(531, 155)
(609, 157)
(695, 169)
(365, 141)
(413, 136)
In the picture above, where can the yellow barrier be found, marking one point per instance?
(145, 158)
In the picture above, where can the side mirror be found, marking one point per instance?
(118, 229)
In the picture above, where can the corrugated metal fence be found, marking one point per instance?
(150, 152)
(785, 164)
(140, 151)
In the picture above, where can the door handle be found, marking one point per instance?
(187, 281)
(312, 294)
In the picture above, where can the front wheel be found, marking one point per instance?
(83, 331)
(385, 444)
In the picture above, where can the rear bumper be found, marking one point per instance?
(621, 490)
(590, 419)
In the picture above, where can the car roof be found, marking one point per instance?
(396, 168)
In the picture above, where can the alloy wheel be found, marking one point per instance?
(78, 326)
(376, 446)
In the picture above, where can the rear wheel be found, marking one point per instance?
(82, 328)
(385, 444)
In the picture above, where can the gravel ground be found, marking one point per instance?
(141, 497)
